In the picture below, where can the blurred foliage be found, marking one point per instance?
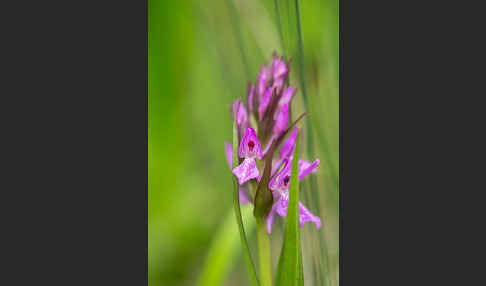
(201, 56)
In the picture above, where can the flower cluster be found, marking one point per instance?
(262, 123)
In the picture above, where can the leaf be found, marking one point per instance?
(300, 269)
(236, 199)
(310, 139)
(224, 249)
(290, 263)
(264, 261)
(286, 24)
(263, 197)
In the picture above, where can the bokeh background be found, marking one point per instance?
(201, 56)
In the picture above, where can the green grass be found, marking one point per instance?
(289, 270)
(198, 64)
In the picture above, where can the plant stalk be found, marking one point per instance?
(264, 262)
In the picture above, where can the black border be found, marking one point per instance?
(76, 155)
(76, 183)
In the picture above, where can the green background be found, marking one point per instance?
(201, 55)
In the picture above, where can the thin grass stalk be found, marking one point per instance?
(332, 170)
(239, 37)
(310, 139)
(224, 249)
(264, 262)
(239, 220)
(279, 27)
(290, 267)
(227, 78)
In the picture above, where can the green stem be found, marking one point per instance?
(264, 262)
(239, 219)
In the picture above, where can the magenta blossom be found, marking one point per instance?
(279, 71)
(243, 188)
(280, 187)
(287, 96)
(264, 102)
(269, 79)
(262, 122)
(250, 149)
(261, 82)
(281, 120)
(286, 151)
(251, 94)
(239, 111)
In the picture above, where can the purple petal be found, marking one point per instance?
(247, 170)
(236, 105)
(243, 197)
(279, 73)
(251, 93)
(278, 181)
(273, 64)
(241, 115)
(287, 96)
(282, 205)
(276, 164)
(306, 167)
(250, 147)
(282, 120)
(305, 215)
(264, 102)
(261, 82)
(287, 148)
(278, 84)
(279, 69)
(228, 148)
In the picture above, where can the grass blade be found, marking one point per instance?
(279, 26)
(290, 263)
(264, 261)
(310, 139)
(300, 269)
(239, 37)
(224, 249)
(286, 26)
(236, 199)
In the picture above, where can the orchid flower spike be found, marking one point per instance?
(250, 149)
(262, 120)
